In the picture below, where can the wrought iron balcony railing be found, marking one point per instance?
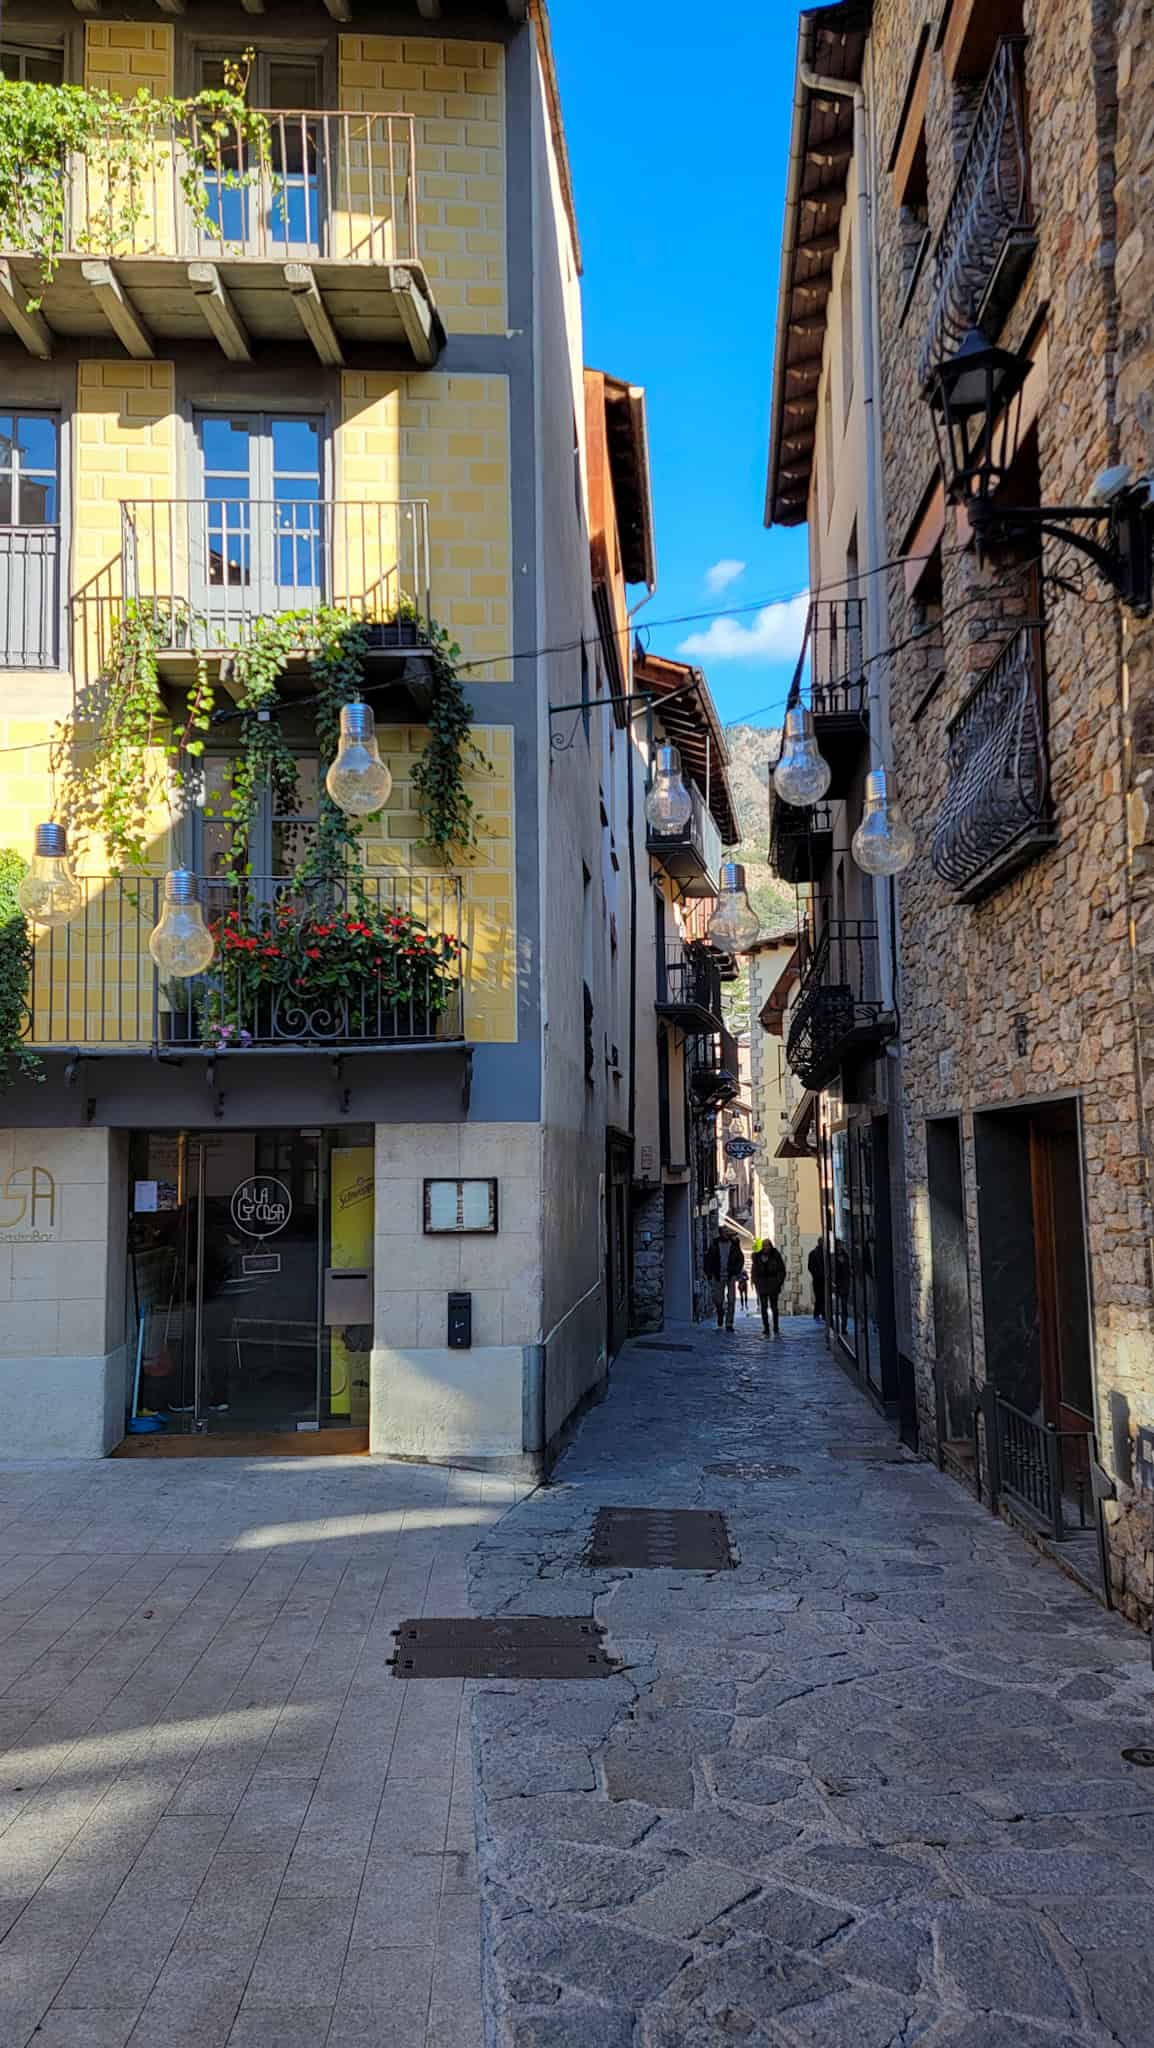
(838, 1013)
(94, 988)
(831, 676)
(209, 568)
(987, 237)
(714, 1070)
(1044, 1469)
(996, 815)
(799, 840)
(693, 855)
(29, 596)
(325, 184)
(689, 987)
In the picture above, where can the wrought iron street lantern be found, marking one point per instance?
(975, 397)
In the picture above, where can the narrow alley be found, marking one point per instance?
(867, 1788)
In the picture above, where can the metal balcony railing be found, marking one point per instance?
(830, 674)
(797, 840)
(209, 568)
(94, 987)
(694, 852)
(333, 186)
(987, 236)
(714, 1070)
(689, 984)
(838, 1008)
(996, 814)
(29, 596)
(1045, 1469)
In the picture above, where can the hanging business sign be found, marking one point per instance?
(739, 1148)
(261, 1206)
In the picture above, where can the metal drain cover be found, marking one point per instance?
(644, 1539)
(509, 1646)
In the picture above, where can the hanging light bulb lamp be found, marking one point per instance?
(49, 893)
(668, 805)
(802, 774)
(358, 780)
(884, 842)
(735, 924)
(181, 944)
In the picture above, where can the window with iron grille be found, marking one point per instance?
(29, 540)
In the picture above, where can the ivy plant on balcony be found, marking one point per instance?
(16, 1056)
(214, 140)
(297, 970)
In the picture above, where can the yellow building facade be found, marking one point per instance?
(288, 371)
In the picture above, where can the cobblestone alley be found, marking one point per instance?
(865, 1790)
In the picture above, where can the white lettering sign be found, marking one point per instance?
(261, 1206)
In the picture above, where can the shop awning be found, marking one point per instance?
(800, 1141)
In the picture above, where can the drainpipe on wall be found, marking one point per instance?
(873, 535)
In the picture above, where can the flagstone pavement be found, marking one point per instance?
(864, 1790)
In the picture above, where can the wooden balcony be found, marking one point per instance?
(310, 235)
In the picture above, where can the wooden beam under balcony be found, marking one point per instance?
(313, 314)
(26, 323)
(118, 308)
(220, 315)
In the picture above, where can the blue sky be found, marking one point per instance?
(678, 126)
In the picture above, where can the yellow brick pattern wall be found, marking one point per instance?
(123, 56)
(456, 93)
(444, 439)
(392, 843)
(124, 448)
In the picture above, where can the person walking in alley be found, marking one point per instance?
(768, 1268)
(723, 1264)
(743, 1289)
(816, 1264)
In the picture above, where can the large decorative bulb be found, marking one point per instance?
(358, 780)
(734, 925)
(50, 893)
(182, 944)
(883, 843)
(668, 806)
(802, 775)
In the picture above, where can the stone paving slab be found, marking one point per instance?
(223, 1822)
(863, 1791)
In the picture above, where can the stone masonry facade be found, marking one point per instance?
(1033, 994)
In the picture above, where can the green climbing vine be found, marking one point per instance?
(16, 1056)
(87, 166)
(122, 754)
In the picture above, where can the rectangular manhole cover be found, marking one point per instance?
(644, 1539)
(509, 1646)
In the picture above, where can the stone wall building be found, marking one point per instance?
(1009, 156)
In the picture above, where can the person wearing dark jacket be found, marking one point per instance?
(768, 1269)
(816, 1264)
(724, 1263)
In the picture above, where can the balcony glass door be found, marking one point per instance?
(258, 546)
(280, 212)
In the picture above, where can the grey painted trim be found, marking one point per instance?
(517, 362)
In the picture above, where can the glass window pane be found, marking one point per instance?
(5, 441)
(294, 84)
(212, 73)
(45, 67)
(295, 447)
(36, 433)
(37, 500)
(225, 443)
(5, 500)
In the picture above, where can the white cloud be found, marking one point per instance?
(722, 574)
(774, 634)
